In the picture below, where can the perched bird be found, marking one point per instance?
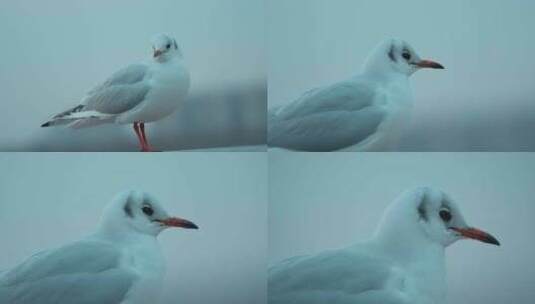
(137, 94)
(403, 263)
(363, 113)
(121, 263)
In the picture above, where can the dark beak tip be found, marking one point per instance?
(191, 226)
(493, 241)
(436, 65)
(475, 234)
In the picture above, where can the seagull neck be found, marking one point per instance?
(407, 249)
(142, 250)
(422, 259)
(120, 234)
(384, 76)
(170, 60)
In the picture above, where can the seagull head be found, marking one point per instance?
(397, 56)
(164, 48)
(141, 212)
(429, 215)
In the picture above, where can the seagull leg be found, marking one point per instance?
(144, 137)
(140, 137)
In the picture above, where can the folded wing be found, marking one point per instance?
(327, 119)
(83, 272)
(123, 91)
(335, 277)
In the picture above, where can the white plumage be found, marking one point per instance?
(366, 112)
(403, 263)
(121, 263)
(137, 94)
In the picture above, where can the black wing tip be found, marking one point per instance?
(46, 124)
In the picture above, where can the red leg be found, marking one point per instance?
(147, 146)
(140, 136)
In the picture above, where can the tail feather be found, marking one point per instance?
(61, 118)
(53, 122)
(75, 114)
(78, 108)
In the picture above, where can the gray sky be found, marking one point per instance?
(55, 51)
(47, 200)
(484, 44)
(324, 201)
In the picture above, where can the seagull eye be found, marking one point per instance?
(406, 55)
(445, 215)
(147, 210)
(168, 45)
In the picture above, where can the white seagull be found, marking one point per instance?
(363, 113)
(137, 94)
(119, 264)
(403, 263)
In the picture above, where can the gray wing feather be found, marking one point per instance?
(131, 74)
(84, 272)
(328, 119)
(117, 99)
(121, 92)
(343, 96)
(336, 277)
(326, 131)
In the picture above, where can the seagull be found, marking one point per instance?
(137, 94)
(363, 113)
(121, 263)
(403, 263)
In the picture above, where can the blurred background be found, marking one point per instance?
(483, 101)
(47, 200)
(55, 51)
(326, 201)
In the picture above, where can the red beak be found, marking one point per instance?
(157, 53)
(476, 234)
(178, 222)
(429, 64)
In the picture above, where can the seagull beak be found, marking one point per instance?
(476, 234)
(429, 64)
(157, 53)
(178, 222)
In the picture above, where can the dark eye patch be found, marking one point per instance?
(127, 209)
(421, 211)
(391, 53)
(168, 45)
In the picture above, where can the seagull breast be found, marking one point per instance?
(169, 85)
